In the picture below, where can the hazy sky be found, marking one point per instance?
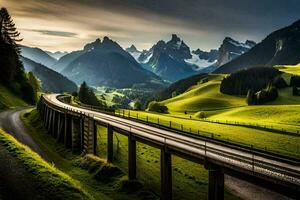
(69, 24)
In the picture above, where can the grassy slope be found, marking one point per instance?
(49, 179)
(8, 99)
(280, 114)
(205, 96)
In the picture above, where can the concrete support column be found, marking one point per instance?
(131, 157)
(46, 117)
(68, 131)
(81, 133)
(76, 138)
(166, 175)
(54, 121)
(215, 183)
(60, 127)
(49, 126)
(110, 144)
(95, 138)
(89, 135)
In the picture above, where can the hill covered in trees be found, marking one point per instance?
(51, 80)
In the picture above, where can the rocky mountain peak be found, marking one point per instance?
(175, 38)
(132, 49)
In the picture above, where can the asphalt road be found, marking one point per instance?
(10, 122)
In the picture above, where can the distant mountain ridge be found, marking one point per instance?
(106, 63)
(57, 55)
(38, 55)
(51, 81)
(280, 47)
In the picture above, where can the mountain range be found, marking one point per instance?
(280, 47)
(173, 60)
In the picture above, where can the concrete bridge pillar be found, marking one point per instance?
(46, 116)
(215, 182)
(49, 125)
(89, 135)
(76, 134)
(68, 131)
(131, 157)
(166, 175)
(60, 127)
(110, 143)
(53, 125)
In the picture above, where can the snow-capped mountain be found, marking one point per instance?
(134, 52)
(202, 59)
(231, 49)
(167, 59)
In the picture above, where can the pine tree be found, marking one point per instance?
(83, 92)
(8, 31)
(12, 70)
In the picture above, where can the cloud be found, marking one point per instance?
(201, 23)
(53, 33)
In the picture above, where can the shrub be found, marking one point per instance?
(154, 106)
(200, 114)
(137, 105)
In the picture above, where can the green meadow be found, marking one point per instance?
(273, 126)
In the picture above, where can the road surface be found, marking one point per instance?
(10, 122)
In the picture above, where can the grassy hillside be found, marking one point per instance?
(9, 99)
(204, 96)
(40, 176)
(273, 126)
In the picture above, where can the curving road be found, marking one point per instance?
(251, 162)
(10, 122)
